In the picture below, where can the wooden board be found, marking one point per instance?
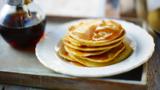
(154, 67)
(13, 87)
(23, 68)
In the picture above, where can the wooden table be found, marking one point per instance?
(154, 67)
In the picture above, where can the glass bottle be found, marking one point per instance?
(22, 23)
(154, 15)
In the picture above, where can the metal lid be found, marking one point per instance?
(18, 2)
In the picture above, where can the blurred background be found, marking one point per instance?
(144, 10)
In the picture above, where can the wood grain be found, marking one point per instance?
(9, 87)
(65, 83)
(154, 67)
(12, 87)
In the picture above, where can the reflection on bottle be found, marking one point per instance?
(154, 19)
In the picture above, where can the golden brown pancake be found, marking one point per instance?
(104, 57)
(96, 35)
(62, 52)
(89, 48)
(95, 43)
(123, 55)
(83, 53)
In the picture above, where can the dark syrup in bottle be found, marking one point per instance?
(22, 30)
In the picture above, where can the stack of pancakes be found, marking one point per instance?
(95, 43)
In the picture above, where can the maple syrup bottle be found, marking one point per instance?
(22, 23)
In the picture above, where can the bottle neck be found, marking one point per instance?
(18, 2)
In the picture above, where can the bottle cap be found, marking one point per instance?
(18, 2)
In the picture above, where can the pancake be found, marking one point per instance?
(83, 53)
(65, 55)
(105, 57)
(123, 55)
(96, 35)
(95, 43)
(89, 48)
(78, 42)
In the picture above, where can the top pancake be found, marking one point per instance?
(96, 32)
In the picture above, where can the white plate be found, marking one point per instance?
(141, 41)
